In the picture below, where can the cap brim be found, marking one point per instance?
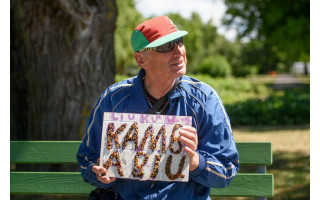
(167, 38)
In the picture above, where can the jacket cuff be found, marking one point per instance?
(200, 168)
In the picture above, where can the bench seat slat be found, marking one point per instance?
(247, 185)
(57, 152)
(244, 184)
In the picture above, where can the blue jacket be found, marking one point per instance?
(219, 159)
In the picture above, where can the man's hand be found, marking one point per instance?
(101, 170)
(188, 135)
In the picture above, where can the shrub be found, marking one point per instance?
(243, 71)
(252, 102)
(217, 66)
(280, 108)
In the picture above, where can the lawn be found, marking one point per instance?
(291, 158)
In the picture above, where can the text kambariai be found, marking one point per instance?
(144, 147)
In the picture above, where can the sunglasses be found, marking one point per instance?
(165, 47)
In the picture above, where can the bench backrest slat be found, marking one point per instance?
(65, 152)
(47, 152)
(255, 153)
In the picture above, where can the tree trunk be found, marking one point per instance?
(62, 59)
(305, 66)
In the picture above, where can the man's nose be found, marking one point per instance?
(178, 47)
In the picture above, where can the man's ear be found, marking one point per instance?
(140, 59)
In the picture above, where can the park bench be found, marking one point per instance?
(258, 184)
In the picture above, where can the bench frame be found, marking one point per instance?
(260, 184)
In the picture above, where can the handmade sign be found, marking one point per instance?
(144, 147)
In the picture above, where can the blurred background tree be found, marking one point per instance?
(282, 27)
(277, 34)
(128, 18)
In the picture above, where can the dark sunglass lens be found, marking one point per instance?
(179, 41)
(169, 45)
(165, 47)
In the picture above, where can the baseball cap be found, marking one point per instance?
(155, 32)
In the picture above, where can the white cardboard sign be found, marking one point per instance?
(144, 147)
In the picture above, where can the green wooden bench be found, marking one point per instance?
(258, 184)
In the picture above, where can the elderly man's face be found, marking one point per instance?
(167, 65)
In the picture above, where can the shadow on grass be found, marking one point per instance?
(291, 175)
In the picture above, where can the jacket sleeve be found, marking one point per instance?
(219, 159)
(89, 150)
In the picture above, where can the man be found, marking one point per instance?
(209, 143)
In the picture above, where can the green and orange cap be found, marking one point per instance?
(155, 32)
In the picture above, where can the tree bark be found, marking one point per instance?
(62, 59)
(305, 66)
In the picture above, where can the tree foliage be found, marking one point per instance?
(259, 54)
(128, 18)
(199, 39)
(283, 24)
(279, 32)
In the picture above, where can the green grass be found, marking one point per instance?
(291, 159)
(291, 177)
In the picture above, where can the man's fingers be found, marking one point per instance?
(189, 128)
(188, 132)
(189, 143)
(189, 151)
(188, 136)
(104, 178)
(99, 170)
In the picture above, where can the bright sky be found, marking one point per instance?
(207, 9)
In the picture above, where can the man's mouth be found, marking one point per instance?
(178, 63)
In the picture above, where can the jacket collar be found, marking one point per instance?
(139, 102)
